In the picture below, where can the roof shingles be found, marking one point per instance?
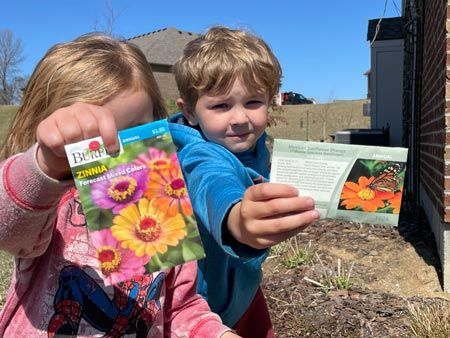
(390, 29)
(164, 46)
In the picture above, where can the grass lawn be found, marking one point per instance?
(315, 122)
(6, 261)
(6, 117)
(6, 265)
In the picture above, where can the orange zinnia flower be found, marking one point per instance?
(168, 189)
(360, 195)
(396, 202)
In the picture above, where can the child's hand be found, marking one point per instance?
(70, 124)
(270, 213)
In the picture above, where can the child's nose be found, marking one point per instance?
(239, 116)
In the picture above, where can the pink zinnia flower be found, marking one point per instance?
(156, 159)
(116, 264)
(119, 191)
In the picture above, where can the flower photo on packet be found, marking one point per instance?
(374, 186)
(137, 207)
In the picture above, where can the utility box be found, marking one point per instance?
(369, 137)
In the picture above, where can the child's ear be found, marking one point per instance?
(187, 112)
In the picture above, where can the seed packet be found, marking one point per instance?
(356, 183)
(137, 208)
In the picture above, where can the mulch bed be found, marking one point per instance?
(300, 308)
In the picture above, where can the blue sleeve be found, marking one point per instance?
(216, 180)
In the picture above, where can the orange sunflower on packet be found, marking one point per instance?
(396, 202)
(361, 195)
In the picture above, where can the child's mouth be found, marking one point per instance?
(243, 135)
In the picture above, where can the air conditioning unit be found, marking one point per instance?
(369, 137)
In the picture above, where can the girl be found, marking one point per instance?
(94, 85)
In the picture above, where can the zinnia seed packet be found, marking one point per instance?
(137, 208)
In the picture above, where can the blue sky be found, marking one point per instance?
(321, 45)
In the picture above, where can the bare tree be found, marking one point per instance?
(10, 58)
(108, 21)
(324, 114)
(344, 119)
(18, 85)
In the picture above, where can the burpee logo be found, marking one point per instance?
(85, 151)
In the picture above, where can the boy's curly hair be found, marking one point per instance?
(212, 62)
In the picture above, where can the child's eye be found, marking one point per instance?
(220, 106)
(255, 103)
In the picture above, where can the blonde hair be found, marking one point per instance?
(92, 69)
(212, 62)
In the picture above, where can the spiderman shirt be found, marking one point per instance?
(56, 288)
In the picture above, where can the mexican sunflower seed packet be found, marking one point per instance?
(137, 208)
(356, 183)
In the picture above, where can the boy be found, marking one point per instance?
(226, 80)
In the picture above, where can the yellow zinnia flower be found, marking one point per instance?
(146, 230)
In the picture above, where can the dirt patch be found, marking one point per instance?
(389, 268)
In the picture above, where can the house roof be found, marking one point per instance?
(164, 46)
(390, 29)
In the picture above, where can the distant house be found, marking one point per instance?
(385, 78)
(162, 49)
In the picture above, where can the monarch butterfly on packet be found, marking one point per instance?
(388, 180)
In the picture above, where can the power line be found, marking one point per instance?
(396, 7)
(377, 28)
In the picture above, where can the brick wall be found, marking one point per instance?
(434, 155)
(447, 114)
